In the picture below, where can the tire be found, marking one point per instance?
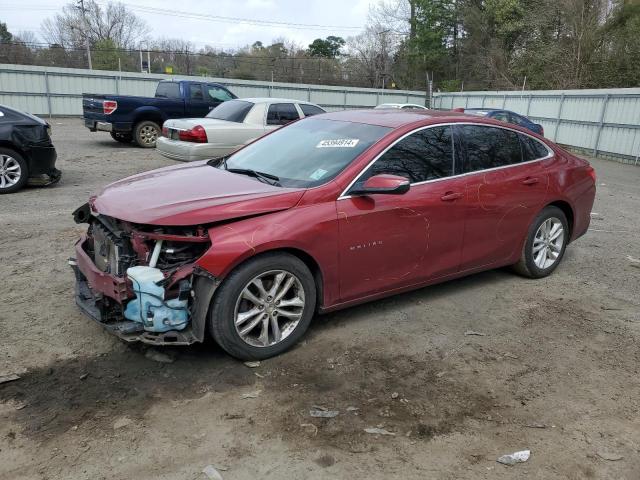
(542, 231)
(229, 301)
(14, 171)
(122, 137)
(146, 133)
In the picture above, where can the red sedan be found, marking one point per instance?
(326, 213)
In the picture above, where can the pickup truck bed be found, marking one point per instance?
(136, 118)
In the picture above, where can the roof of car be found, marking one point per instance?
(392, 117)
(273, 100)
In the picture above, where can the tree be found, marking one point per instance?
(105, 55)
(5, 34)
(114, 22)
(328, 48)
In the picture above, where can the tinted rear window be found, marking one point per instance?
(231, 111)
(168, 90)
(489, 147)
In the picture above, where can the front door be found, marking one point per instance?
(392, 241)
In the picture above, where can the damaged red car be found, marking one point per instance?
(325, 213)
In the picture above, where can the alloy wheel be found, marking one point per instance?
(10, 171)
(269, 308)
(548, 242)
(148, 135)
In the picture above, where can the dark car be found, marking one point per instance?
(321, 214)
(506, 116)
(26, 152)
(140, 118)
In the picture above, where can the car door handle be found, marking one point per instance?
(530, 181)
(451, 196)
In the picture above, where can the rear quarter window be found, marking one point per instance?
(532, 149)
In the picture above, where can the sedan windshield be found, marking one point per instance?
(231, 111)
(307, 153)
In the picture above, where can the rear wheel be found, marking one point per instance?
(146, 133)
(545, 244)
(122, 137)
(263, 307)
(14, 172)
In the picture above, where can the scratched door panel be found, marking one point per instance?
(391, 241)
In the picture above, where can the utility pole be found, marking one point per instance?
(83, 10)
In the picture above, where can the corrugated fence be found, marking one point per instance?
(600, 122)
(58, 91)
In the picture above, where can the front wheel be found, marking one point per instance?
(545, 244)
(263, 307)
(146, 133)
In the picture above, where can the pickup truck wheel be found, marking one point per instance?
(146, 133)
(122, 137)
(263, 307)
(13, 171)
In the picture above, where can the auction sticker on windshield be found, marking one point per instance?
(318, 174)
(338, 143)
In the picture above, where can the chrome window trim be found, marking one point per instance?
(550, 154)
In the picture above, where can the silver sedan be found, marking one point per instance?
(229, 126)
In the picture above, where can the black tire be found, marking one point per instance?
(122, 137)
(222, 312)
(7, 155)
(143, 133)
(526, 266)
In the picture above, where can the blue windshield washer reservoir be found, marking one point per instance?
(149, 307)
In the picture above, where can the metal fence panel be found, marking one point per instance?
(58, 91)
(604, 121)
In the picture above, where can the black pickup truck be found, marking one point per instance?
(140, 118)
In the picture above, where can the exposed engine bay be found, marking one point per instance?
(141, 281)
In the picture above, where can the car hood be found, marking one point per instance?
(192, 194)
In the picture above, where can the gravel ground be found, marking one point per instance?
(555, 371)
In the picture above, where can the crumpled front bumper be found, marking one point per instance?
(93, 285)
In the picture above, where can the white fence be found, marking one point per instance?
(58, 91)
(601, 122)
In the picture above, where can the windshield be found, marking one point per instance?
(309, 152)
(231, 111)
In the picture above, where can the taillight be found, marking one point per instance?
(458, 109)
(197, 134)
(165, 132)
(592, 173)
(109, 106)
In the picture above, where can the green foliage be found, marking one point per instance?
(328, 48)
(104, 54)
(5, 34)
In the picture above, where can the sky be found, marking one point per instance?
(170, 19)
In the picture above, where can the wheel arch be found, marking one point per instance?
(304, 256)
(567, 209)
(147, 113)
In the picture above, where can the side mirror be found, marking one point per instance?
(382, 184)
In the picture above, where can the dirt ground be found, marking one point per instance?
(555, 371)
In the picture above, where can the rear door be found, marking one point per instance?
(196, 105)
(392, 241)
(506, 187)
